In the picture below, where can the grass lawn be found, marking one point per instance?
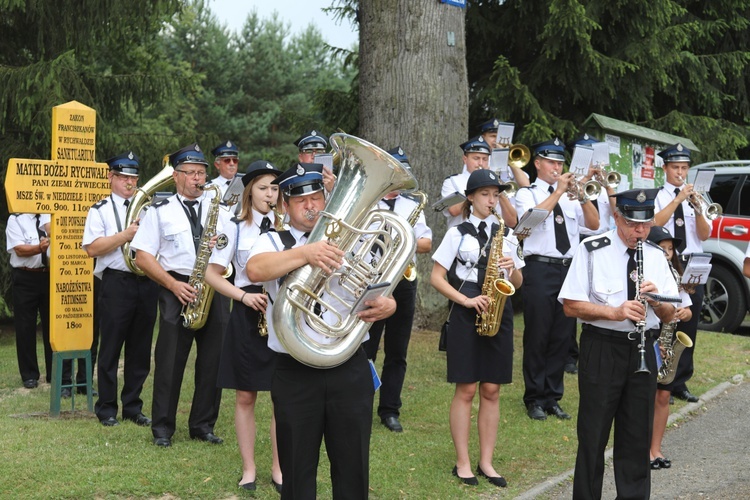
(75, 457)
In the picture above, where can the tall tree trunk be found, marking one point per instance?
(414, 94)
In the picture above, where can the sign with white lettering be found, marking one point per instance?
(65, 186)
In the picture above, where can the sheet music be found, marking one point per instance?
(579, 164)
(505, 134)
(326, 159)
(528, 221)
(448, 201)
(703, 179)
(697, 269)
(600, 158)
(499, 163)
(663, 298)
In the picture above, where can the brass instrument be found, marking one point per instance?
(141, 199)
(195, 314)
(701, 204)
(640, 326)
(580, 192)
(278, 217)
(496, 288)
(606, 179)
(518, 156)
(673, 345)
(262, 322)
(367, 173)
(411, 270)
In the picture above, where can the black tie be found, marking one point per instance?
(631, 273)
(391, 204)
(42, 234)
(126, 203)
(482, 235)
(228, 183)
(679, 224)
(306, 235)
(195, 224)
(561, 233)
(265, 225)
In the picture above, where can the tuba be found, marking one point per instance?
(366, 174)
(494, 287)
(143, 198)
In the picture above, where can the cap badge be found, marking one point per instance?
(491, 176)
(585, 137)
(641, 197)
(130, 155)
(300, 170)
(400, 151)
(268, 165)
(496, 123)
(229, 144)
(313, 133)
(679, 147)
(197, 148)
(557, 141)
(559, 219)
(479, 139)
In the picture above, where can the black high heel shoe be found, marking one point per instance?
(498, 481)
(471, 481)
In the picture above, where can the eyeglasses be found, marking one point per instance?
(230, 160)
(192, 173)
(633, 224)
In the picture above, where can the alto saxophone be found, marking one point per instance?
(421, 198)
(673, 344)
(195, 314)
(496, 288)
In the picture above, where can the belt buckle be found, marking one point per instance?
(566, 261)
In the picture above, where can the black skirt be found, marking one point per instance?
(247, 364)
(474, 358)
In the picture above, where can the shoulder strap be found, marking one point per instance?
(287, 239)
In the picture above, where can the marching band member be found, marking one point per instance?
(166, 250)
(488, 131)
(474, 361)
(675, 212)
(226, 161)
(127, 302)
(312, 143)
(547, 253)
(601, 290)
(247, 363)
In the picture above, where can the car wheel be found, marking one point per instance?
(723, 304)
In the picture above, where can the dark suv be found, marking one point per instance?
(727, 291)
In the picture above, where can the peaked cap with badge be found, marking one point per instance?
(188, 154)
(125, 164)
(227, 148)
(675, 153)
(489, 126)
(551, 150)
(476, 145)
(311, 141)
(400, 155)
(301, 179)
(582, 140)
(636, 205)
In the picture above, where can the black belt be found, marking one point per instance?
(548, 260)
(34, 269)
(125, 274)
(179, 277)
(629, 335)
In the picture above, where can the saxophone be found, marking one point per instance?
(421, 198)
(673, 345)
(494, 287)
(195, 314)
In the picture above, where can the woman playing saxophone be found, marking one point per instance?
(476, 361)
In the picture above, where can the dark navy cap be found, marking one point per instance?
(188, 154)
(482, 178)
(660, 233)
(259, 167)
(125, 164)
(227, 148)
(678, 152)
(551, 150)
(301, 179)
(489, 126)
(312, 140)
(636, 205)
(476, 145)
(582, 140)
(400, 155)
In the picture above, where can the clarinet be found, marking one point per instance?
(640, 326)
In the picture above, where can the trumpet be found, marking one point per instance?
(579, 191)
(607, 179)
(702, 205)
(518, 156)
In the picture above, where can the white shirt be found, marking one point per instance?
(101, 221)
(605, 215)
(21, 230)
(609, 285)
(452, 184)
(664, 197)
(542, 238)
(466, 247)
(241, 237)
(165, 233)
(223, 184)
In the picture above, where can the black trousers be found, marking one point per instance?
(546, 335)
(171, 353)
(685, 367)
(397, 334)
(611, 391)
(127, 312)
(311, 404)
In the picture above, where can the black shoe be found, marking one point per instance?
(208, 437)
(498, 481)
(558, 412)
(109, 422)
(140, 419)
(65, 392)
(571, 368)
(661, 463)
(655, 464)
(30, 383)
(686, 396)
(248, 486)
(392, 424)
(163, 442)
(471, 480)
(535, 412)
(276, 486)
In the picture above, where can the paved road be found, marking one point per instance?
(709, 451)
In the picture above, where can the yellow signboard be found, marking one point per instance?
(65, 187)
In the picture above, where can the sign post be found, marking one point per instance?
(65, 187)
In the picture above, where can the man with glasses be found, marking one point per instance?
(126, 302)
(312, 143)
(226, 160)
(166, 249)
(600, 290)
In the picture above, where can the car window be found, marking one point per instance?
(722, 188)
(744, 198)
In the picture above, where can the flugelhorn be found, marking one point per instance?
(609, 179)
(702, 205)
(583, 191)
